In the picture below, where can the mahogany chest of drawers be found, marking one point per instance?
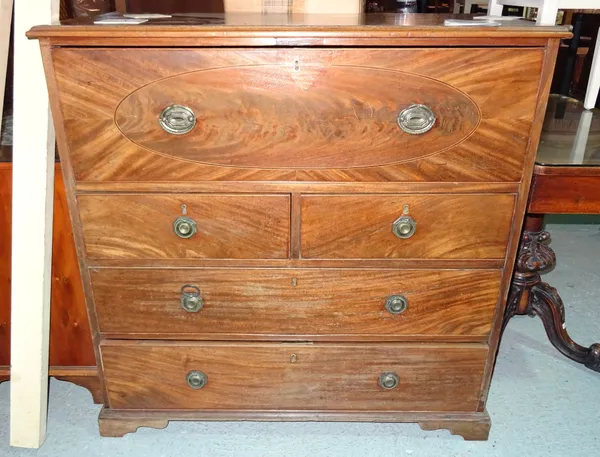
(297, 222)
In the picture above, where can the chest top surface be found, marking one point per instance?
(294, 30)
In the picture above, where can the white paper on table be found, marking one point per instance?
(146, 16)
(470, 23)
(121, 20)
(497, 18)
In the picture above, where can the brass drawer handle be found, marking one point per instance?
(416, 119)
(184, 227)
(191, 300)
(196, 379)
(404, 227)
(177, 119)
(396, 304)
(389, 381)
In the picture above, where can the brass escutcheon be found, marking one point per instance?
(389, 381)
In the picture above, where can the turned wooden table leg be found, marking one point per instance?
(530, 295)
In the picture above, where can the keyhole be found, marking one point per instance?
(293, 358)
(183, 209)
(294, 282)
(296, 65)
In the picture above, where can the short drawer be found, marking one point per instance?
(230, 376)
(295, 303)
(444, 226)
(160, 226)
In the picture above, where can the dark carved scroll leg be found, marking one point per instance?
(547, 304)
(530, 295)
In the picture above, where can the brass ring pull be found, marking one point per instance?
(184, 227)
(389, 381)
(177, 119)
(416, 119)
(396, 304)
(404, 227)
(196, 379)
(191, 300)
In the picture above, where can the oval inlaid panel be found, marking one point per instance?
(314, 117)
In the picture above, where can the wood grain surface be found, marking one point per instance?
(299, 187)
(152, 375)
(260, 116)
(249, 39)
(274, 268)
(471, 426)
(448, 226)
(70, 336)
(5, 256)
(297, 30)
(495, 152)
(473, 264)
(69, 180)
(229, 226)
(296, 304)
(569, 194)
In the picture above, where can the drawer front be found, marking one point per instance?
(306, 114)
(225, 226)
(154, 375)
(299, 304)
(271, 116)
(445, 226)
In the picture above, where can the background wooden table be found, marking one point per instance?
(566, 181)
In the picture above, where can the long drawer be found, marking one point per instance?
(403, 114)
(406, 226)
(295, 303)
(230, 376)
(185, 226)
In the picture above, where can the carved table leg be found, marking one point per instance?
(530, 295)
